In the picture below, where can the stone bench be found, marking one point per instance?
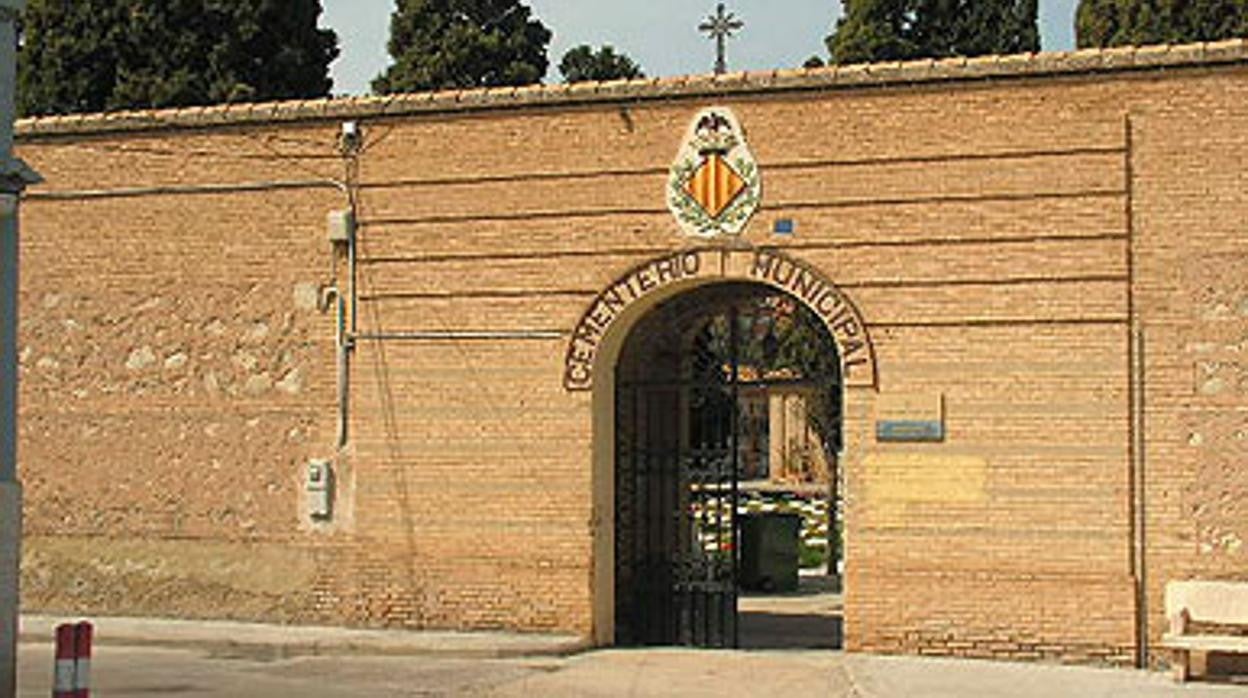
(1211, 603)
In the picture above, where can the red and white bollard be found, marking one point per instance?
(72, 673)
(63, 671)
(82, 659)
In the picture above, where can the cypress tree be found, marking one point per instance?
(889, 30)
(584, 63)
(99, 55)
(463, 43)
(1100, 23)
(872, 30)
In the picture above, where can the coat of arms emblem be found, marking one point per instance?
(714, 187)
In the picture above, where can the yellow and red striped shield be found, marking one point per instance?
(714, 185)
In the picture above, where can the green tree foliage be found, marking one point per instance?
(584, 63)
(891, 30)
(99, 55)
(463, 43)
(1136, 22)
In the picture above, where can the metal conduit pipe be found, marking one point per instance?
(350, 146)
(352, 272)
(331, 294)
(1141, 493)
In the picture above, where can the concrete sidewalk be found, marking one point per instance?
(830, 674)
(140, 657)
(288, 641)
(142, 672)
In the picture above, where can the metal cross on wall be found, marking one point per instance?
(720, 26)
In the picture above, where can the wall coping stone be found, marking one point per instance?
(836, 77)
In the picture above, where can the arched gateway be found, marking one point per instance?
(680, 353)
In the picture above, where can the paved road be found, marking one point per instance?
(142, 672)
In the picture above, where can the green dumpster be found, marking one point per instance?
(769, 551)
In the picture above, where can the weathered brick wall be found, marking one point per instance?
(1190, 200)
(175, 371)
(986, 231)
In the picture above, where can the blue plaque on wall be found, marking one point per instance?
(909, 430)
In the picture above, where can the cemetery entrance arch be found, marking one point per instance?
(695, 388)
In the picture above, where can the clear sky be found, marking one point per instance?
(661, 35)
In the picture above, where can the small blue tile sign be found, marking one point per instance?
(784, 226)
(909, 430)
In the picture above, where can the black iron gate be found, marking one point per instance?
(682, 445)
(676, 497)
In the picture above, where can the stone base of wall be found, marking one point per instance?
(373, 584)
(84, 576)
(1003, 644)
(1055, 618)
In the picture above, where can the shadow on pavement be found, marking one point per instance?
(809, 617)
(762, 630)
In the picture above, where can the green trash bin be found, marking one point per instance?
(769, 551)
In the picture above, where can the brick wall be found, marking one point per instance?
(1191, 190)
(175, 372)
(996, 236)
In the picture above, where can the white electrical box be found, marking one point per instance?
(341, 226)
(319, 488)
